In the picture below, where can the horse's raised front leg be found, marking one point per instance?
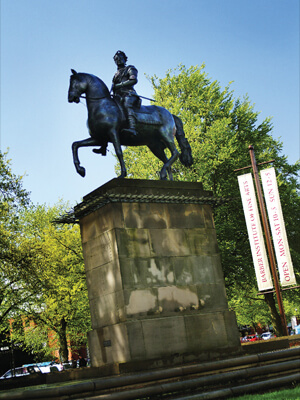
(117, 146)
(75, 147)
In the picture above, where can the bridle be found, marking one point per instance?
(91, 98)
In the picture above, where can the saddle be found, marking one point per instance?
(147, 115)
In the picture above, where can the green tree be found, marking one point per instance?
(55, 277)
(42, 277)
(13, 199)
(250, 309)
(219, 129)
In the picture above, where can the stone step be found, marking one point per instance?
(228, 376)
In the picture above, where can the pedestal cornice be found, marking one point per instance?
(145, 191)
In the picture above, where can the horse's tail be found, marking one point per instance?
(185, 156)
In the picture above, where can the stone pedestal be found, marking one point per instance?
(154, 275)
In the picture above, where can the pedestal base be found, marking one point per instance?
(180, 338)
(154, 276)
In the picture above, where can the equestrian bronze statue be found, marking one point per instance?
(109, 121)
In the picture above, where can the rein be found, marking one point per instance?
(93, 98)
(103, 97)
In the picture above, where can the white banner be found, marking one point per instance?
(256, 239)
(281, 246)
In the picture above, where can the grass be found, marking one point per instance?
(285, 394)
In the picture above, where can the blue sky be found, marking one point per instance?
(253, 43)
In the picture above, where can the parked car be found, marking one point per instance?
(16, 373)
(26, 369)
(267, 335)
(49, 366)
(252, 338)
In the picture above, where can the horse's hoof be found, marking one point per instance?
(81, 171)
(163, 177)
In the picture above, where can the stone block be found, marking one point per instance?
(160, 272)
(103, 280)
(174, 298)
(164, 336)
(144, 215)
(99, 250)
(208, 218)
(133, 242)
(188, 217)
(169, 242)
(133, 272)
(205, 332)
(183, 270)
(195, 268)
(216, 267)
(102, 220)
(212, 297)
(233, 339)
(107, 309)
(145, 272)
(119, 350)
(95, 341)
(109, 345)
(136, 341)
(202, 241)
(140, 301)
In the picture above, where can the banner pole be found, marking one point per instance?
(268, 240)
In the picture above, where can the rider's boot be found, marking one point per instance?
(132, 126)
(101, 150)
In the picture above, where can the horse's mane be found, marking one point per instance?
(95, 80)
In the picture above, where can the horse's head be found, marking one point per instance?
(93, 86)
(76, 88)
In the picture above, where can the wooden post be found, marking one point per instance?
(268, 240)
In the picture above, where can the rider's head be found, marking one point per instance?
(120, 57)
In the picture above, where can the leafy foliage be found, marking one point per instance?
(220, 129)
(13, 198)
(42, 279)
(55, 277)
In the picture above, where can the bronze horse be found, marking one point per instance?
(156, 126)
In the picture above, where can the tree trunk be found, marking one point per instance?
(63, 344)
(275, 316)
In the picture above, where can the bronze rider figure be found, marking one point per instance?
(123, 82)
